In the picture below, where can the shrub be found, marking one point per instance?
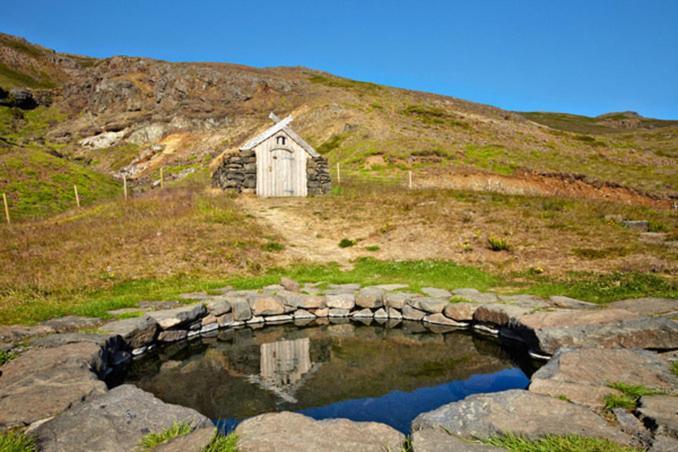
(155, 439)
(497, 244)
(273, 247)
(346, 243)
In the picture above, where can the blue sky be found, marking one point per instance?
(586, 57)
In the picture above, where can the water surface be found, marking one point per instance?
(363, 373)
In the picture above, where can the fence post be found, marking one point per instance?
(409, 179)
(162, 177)
(124, 185)
(77, 197)
(338, 174)
(4, 200)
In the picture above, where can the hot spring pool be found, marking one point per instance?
(363, 373)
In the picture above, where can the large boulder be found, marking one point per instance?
(136, 332)
(341, 301)
(266, 305)
(370, 297)
(172, 318)
(282, 432)
(647, 333)
(437, 440)
(461, 312)
(584, 375)
(500, 314)
(429, 305)
(569, 317)
(240, 309)
(44, 382)
(519, 412)
(113, 422)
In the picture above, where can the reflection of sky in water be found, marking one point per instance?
(399, 408)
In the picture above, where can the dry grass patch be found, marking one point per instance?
(176, 233)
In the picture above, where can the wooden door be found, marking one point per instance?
(283, 173)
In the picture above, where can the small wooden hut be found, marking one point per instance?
(277, 162)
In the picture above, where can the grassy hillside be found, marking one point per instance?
(37, 180)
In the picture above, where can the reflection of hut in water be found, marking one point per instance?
(283, 366)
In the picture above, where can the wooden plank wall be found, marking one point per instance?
(275, 177)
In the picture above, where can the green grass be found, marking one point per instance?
(177, 429)
(674, 368)
(39, 184)
(604, 288)
(366, 271)
(6, 356)
(612, 401)
(16, 442)
(372, 248)
(630, 394)
(221, 443)
(556, 443)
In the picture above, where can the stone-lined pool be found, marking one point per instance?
(359, 372)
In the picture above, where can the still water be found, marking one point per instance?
(363, 373)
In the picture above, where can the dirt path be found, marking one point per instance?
(303, 242)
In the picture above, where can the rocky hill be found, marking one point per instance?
(124, 115)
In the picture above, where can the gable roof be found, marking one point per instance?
(280, 125)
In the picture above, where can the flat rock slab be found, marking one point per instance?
(15, 333)
(583, 375)
(113, 422)
(434, 292)
(429, 304)
(646, 333)
(558, 301)
(136, 332)
(59, 339)
(170, 318)
(476, 296)
(570, 317)
(44, 382)
(648, 306)
(661, 412)
(483, 416)
(438, 440)
(72, 323)
(282, 432)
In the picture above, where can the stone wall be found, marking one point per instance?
(319, 181)
(239, 172)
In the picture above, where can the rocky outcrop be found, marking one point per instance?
(483, 416)
(113, 422)
(584, 376)
(44, 382)
(291, 432)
